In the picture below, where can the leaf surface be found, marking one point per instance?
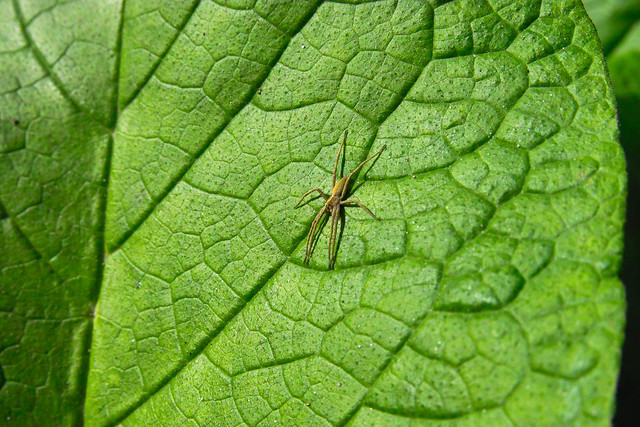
(487, 292)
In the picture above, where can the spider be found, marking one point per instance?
(333, 205)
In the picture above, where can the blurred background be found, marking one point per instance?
(618, 24)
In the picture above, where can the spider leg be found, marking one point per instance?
(335, 219)
(364, 208)
(335, 168)
(346, 184)
(309, 192)
(312, 232)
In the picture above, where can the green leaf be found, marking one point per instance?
(171, 143)
(624, 66)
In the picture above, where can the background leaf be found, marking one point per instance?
(487, 292)
(613, 19)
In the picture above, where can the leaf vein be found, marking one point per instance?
(183, 171)
(40, 59)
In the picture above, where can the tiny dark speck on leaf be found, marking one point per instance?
(15, 122)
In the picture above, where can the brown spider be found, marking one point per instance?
(333, 205)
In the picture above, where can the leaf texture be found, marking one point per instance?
(166, 177)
